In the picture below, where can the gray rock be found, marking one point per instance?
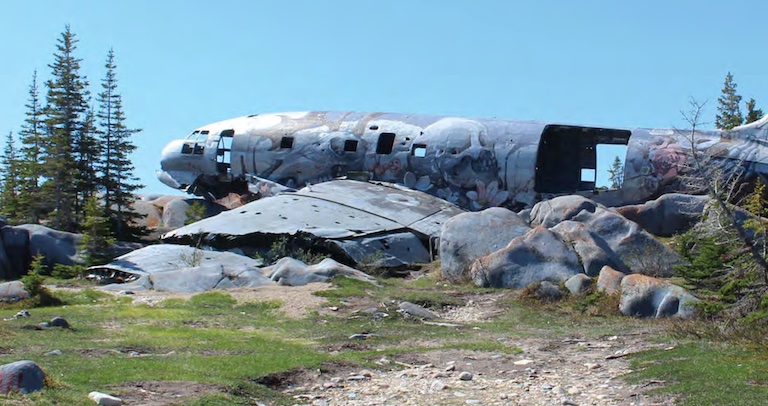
(593, 251)
(609, 280)
(537, 256)
(175, 211)
(465, 376)
(578, 284)
(549, 292)
(549, 213)
(179, 268)
(12, 292)
(644, 296)
(59, 322)
(15, 242)
(292, 272)
(21, 377)
(54, 352)
(58, 247)
(469, 236)
(416, 311)
(636, 249)
(670, 214)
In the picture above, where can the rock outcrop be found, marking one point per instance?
(292, 272)
(644, 296)
(469, 236)
(538, 256)
(21, 377)
(670, 214)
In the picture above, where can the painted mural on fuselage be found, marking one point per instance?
(475, 163)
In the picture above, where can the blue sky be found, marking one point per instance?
(182, 64)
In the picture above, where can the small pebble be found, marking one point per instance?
(465, 376)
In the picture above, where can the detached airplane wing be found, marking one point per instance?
(358, 218)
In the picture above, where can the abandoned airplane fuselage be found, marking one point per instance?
(475, 163)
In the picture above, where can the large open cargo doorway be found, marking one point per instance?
(567, 160)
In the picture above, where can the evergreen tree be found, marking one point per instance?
(97, 238)
(30, 171)
(64, 118)
(9, 198)
(86, 151)
(115, 167)
(753, 113)
(729, 112)
(616, 173)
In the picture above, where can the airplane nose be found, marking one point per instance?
(167, 179)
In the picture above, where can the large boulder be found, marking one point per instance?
(180, 268)
(292, 272)
(670, 214)
(549, 213)
(468, 236)
(58, 247)
(12, 291)
(21, 377)
(644, 296)
(537, 256)
(594, 252)
(16, 244)
(629, 246)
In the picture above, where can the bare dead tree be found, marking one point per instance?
(709, 174)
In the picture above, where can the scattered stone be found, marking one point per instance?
(103, 399)
(21, 377)
(59, 322)
(578, 284)
(360, 336)
(54, 352)
(609, 280)
(465, 376)
(414, 310)
(450, 368)
(356, 378)
(22, 313)
(437, 386)
(523, 362)
(548, 292)
(592, 365)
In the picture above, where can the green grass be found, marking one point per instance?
(704, 373)
(212, 339)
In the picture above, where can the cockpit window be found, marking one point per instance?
(195, 143)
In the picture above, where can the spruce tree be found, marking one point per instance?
(115, 167)
(9, 164)
(97, 238)
(616, 173)
(86, 151)
(753, 113)
(729, 112)
(64, 118)
(31, 137)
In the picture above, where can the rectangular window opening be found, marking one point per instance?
(610, 166)
(286, 142)
(350, 146)
(385, 144)
(419, 150)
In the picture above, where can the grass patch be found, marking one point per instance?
(705, 373)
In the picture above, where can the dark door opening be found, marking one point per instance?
(567, 159)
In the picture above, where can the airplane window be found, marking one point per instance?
(385, 144)
(198, 149)
(588, 175)
(350, 145)
(228, 133)
(205, 132)
(186, 148)
(286, 142)
(419, 150)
